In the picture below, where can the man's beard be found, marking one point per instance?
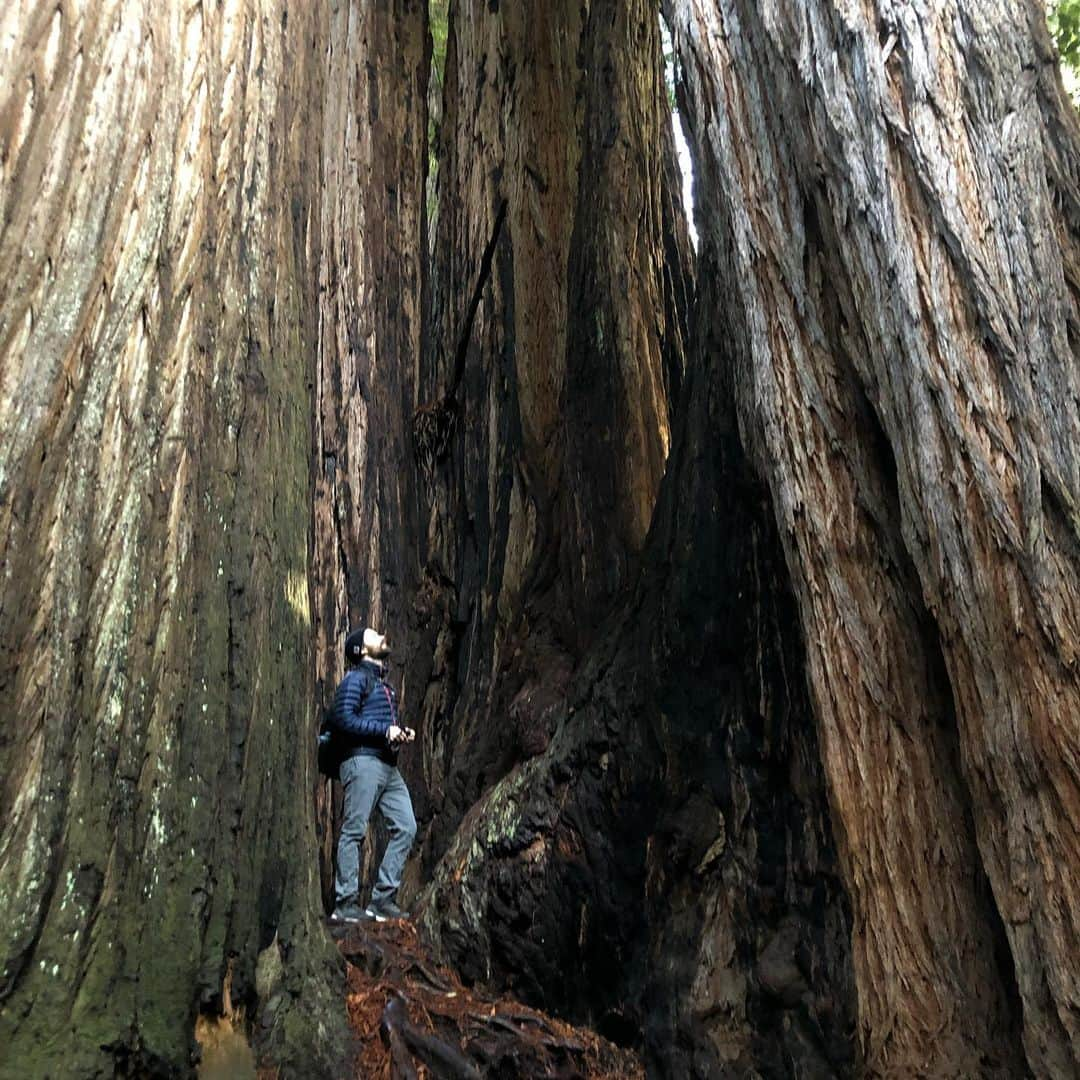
(381, 659)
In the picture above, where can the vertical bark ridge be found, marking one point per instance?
(154, 509)
(931, 285)
(539, 510)
(618, 308)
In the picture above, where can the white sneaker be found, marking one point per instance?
(347, 913)
(386, 910)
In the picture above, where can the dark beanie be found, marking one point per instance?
(354, 646)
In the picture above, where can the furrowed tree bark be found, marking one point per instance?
(739, 624)
(672, 846)
(373, 241)
(667, 838)
(157, 316)
(892, 192)
(543, 446)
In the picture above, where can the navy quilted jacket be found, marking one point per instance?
(364, 709)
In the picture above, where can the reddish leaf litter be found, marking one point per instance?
(416, 1021)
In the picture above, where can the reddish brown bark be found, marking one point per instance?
(740, 627)
(540, 501)
(893, 198)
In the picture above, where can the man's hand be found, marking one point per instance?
(395, 735)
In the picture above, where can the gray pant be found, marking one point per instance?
(369, 782)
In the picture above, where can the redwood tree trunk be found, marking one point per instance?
(892, 196)
(157, 318)
(658, 824)
(889, 209)
(540, 492)
(671, 845)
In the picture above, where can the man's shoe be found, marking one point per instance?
(383, 910)
(347, 913)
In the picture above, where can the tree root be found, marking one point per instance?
(418, 1022)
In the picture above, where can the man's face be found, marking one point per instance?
(380, 650)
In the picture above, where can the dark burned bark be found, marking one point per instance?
(374, 153)
(539, 510)
(894, 207)
(157, 305)
(670, 844)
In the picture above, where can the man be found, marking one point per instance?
(365, 720)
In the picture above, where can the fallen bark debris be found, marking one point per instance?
(416, 1021)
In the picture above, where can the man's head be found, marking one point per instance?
(367, 643)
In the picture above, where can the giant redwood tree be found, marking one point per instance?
(160, 223)
(894, 201)
(737, 590)
(545, 394)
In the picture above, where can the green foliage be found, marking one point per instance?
(1064, 19)
(439, 19)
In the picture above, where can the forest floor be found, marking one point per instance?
(414, 1019)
